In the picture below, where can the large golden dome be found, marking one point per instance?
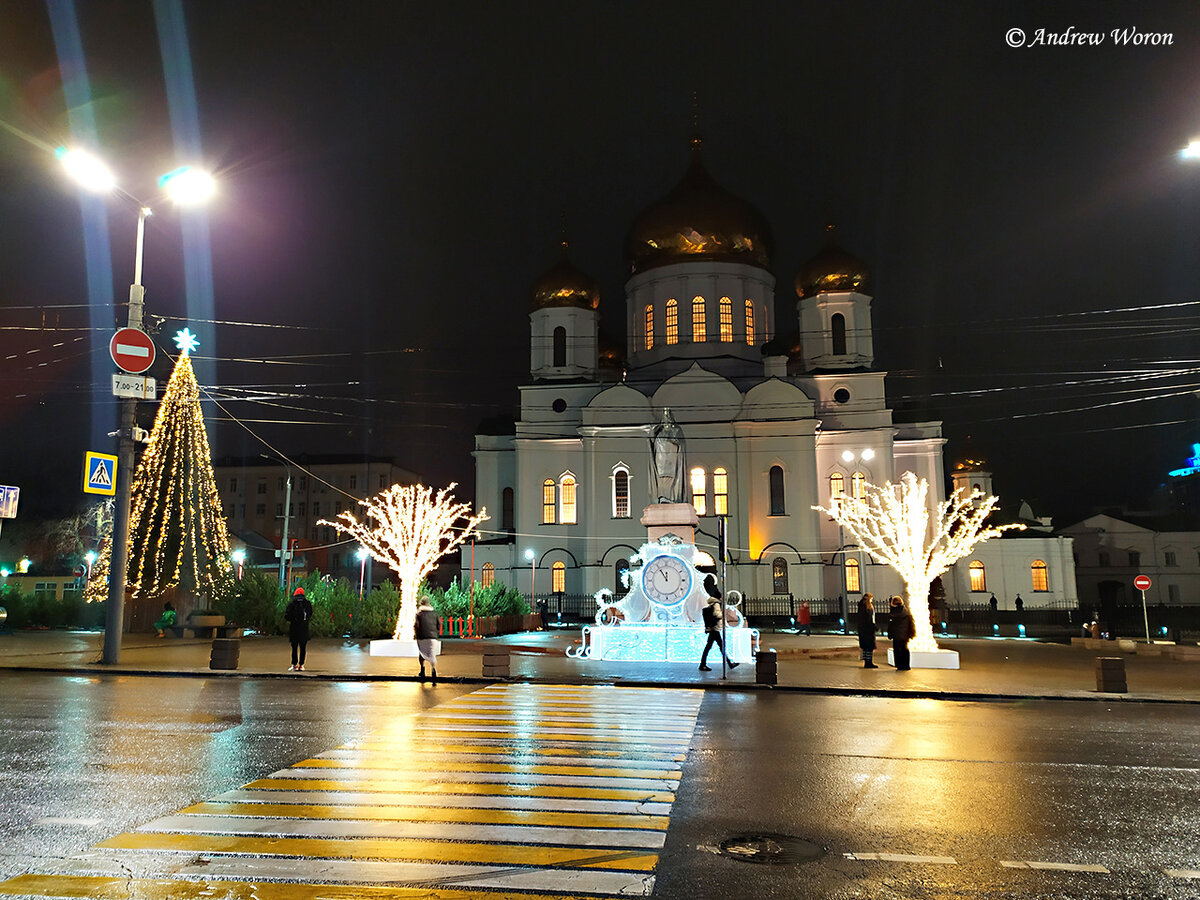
(699, 219)
(833, 269)
(565, 285)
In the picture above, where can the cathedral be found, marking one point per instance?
(774, 425)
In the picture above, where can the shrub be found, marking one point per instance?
(494, 600)
(377, 615)
(252, 602)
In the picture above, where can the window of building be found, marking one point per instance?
(560, 346)
(725, 313)
(558, 577)
(837, 489)
(1173, 594)
(488, 575)
(337, 507)
(313, 533)
(857, 481)
(549, 502)
(853, 581)
(382, 482)
(353, 482)
(303, 506)
(279, 509)
(699, 329)
(291, 509)
(566, 487)
(621, 578)
(261, 488)
(1037, 572)
(672, 322)
(1102, 558)
(233, 485)
(779, 575)
(750, 322)
(775, 476)
(506, 509)
(281, 483)
(720, 491)
(978, 577)
(260, 509)
(1135, 559)
(316, 507)
(302, 484)
(620, 505)
(1169, 558)
(837, 328)
(229, 511)
(649, 326)
(699, 489)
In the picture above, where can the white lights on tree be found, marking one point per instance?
(895, 524)
(410, 528)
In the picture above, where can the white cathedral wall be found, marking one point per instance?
(1008, 565)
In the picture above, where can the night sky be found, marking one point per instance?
(395, 176)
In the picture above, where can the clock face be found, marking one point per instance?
(666, 580)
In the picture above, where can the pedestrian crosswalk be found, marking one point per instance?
(512, 790)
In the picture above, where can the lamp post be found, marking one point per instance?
(284, 551)
(185, 186)
(238, 556)
(362, 555)
(89, 557)
(529, 555)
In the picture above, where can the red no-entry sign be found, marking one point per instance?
(132, 350)
(1142, 582)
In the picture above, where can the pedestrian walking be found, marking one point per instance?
(298, 613)
(804, 618)
(166, 620)
(993, 604)
(866, 630)
(901, 629)
(1020, 604)
(713, 613)
(427, 629)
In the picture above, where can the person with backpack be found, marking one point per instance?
(298, 613)
(712, 615)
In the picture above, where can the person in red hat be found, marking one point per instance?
(298, 613)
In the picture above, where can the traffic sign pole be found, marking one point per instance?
(1142, 583)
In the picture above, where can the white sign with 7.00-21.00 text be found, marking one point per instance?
(139, 387)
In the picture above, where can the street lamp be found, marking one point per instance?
(181, 186)
(90, 557)
(1191, 151)
(284, 552)
(362, 555)
(239, 557)
(529, 555)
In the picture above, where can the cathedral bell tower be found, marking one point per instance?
(834, 311)
(564, 323)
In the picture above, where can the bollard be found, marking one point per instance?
(1110, 675)
(495, 663)
(225, 652)
(765, 669)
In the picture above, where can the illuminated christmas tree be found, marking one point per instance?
(895, 524)
(410, 528)
(177, 534)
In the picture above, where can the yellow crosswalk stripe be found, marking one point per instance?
(436, 763)
(464, 787)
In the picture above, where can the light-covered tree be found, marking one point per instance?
(409, 527)
(897, 525)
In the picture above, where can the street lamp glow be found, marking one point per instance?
(360, 554)
(87, 170)
(239, 556)
(529, 554)
(90, 556)
(1191, 151)
(188, 186)
(868, 454)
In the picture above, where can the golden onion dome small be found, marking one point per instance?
(565, 285)
(610, 354)
(698, 220)
(972, 463)
(833, 269)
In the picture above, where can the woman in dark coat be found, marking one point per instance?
(298, 613)
(866, 630)
(901, 629)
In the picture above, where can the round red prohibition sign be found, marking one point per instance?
(132, 350)
(1142, 582)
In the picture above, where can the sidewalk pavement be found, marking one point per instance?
(997, 669)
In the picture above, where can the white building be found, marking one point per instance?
(774, 425)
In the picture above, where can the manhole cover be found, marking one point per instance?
(770, 849)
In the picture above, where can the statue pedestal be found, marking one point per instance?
(679, 519)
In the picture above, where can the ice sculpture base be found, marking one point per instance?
(649, 642)
(393, 647)
(929, 659)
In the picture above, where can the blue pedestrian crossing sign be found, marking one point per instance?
(99, 473)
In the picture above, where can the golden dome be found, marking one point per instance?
(833, 269)
(974, 463)
(699, 219)
(565, 285)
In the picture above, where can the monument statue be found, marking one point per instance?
(668, 467)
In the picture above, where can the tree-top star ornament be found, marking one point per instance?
(186, 341)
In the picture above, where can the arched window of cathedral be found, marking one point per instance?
(837, 489)
(649, 326)
(837, 327)
(558, 577)
(621, 578)
(978, 576)
(699, 490)
(726, 319)
(853, 581)
(672, 321)
(720, 491)
(560, 346)
(488, 577)
(620, 498)
(549, 502)
(506, 509)
(1038, 572)
(776, 479)
(779, 576)
(699, 328)
(750, 322)
(857, 480)
(566, 487)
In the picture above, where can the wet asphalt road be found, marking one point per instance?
(973, 793)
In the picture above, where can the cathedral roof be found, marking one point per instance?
(565, 285)
(696, 220)
(833, 269)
